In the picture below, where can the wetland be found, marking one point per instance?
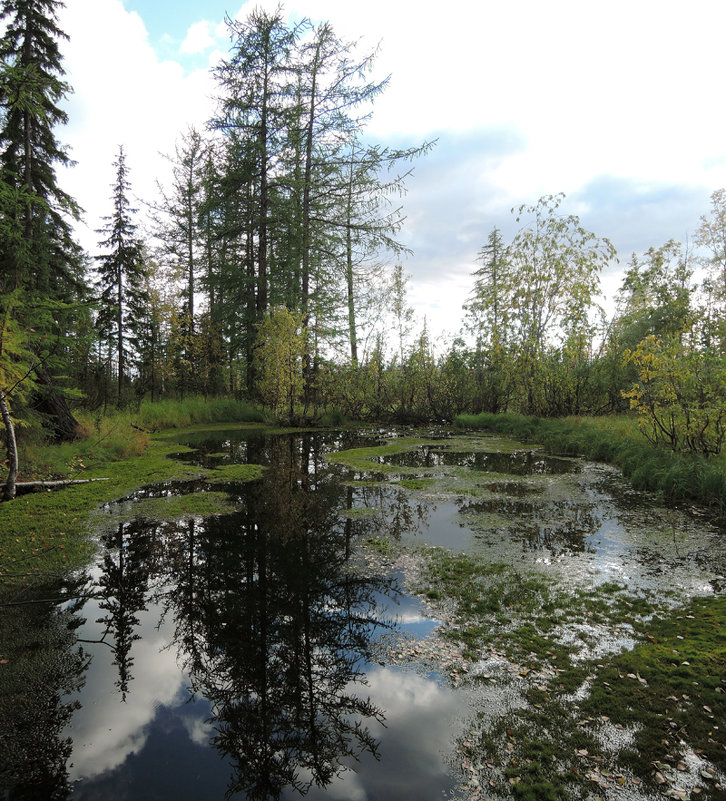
(375, 614)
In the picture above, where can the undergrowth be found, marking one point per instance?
(121, 434)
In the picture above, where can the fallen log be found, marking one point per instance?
(38, 486)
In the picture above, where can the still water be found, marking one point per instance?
(234, 655)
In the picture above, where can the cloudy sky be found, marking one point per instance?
(617, 104)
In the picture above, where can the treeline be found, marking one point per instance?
(270, 270)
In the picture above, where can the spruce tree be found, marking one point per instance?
(121, 272)
(48, 264)
(39, 260)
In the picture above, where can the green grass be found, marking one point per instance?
(116, 435)
(617, 441)
(196, 409)
(46, 534)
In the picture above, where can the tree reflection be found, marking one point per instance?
(122, 589)
(43, 668)
(271, 623)
(274, 628)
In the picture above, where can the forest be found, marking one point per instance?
(269, 270)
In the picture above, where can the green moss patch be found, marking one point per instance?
(647, 713)
(671, 687)
(179, 507)
(417, 483)
(226, 473)
(369, 459)
(359, 512)
(46, 534)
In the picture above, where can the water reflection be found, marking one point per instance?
(559, 526)
(42, 668)
(269, 624)
(518, 463)
(236, 654)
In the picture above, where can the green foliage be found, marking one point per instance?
(279, 353)
(16, 358)
(121, 273)
(195, 410)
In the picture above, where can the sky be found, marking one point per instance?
(619, 105)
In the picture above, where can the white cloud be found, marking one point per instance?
(198, 39)
(106, 732)
(123, 95)
(622, 91)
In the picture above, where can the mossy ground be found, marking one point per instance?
(648, 716)
(371, 458)
(46, 534)
(180, 507)
(622, 693)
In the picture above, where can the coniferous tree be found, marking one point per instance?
(179, 226)
(39, 260)
(32, 88)
(121, 271)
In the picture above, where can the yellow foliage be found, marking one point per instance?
(679, 395)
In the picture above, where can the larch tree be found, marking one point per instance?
(253, 117)
(121, 271)
(345, 184)
(179, 227)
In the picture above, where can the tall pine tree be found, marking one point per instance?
(48, 263)
(121, 272)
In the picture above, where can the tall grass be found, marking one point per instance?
(116, 435)
(617, 441)
(194, 410)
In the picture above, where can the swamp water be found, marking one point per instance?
(286, 636)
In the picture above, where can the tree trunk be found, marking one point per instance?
(37, 486)
(9, 488)
(349, 273)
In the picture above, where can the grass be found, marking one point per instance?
(195, 410)
(617, 441)
(117, 435)
(46, 534)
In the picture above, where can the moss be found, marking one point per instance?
(672, 686)
(46, 534)
(417, 483)
(226, 473)
(370, 458)
(359, 512)
(178, 507)
(380, 545)
(668, 691)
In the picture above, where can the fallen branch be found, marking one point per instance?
(145, 430)
(36, 486)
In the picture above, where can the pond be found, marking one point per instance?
(271, 638)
